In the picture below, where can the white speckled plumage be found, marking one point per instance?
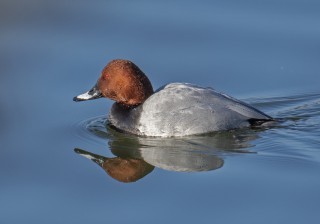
(180, 109)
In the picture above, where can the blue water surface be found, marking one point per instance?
(263, 52)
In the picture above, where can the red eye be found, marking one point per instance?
(105, 76)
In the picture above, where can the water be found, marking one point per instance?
(265, 53)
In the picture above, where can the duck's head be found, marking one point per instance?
(121, 81)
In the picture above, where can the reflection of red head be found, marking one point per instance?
(126, 170)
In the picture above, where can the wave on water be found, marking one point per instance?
(296, 136)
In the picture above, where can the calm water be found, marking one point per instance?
(266, 53)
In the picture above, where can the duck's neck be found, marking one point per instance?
(126, 106)
(145, 89)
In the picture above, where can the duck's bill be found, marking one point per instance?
(93, 157)
(92, 94)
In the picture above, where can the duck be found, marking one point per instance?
(175, 109)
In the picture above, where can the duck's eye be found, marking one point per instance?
(104, 76)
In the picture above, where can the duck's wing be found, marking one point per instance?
(240, 107)
(183, 109)
(195, 96)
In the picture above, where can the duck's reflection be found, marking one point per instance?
(122, 169)
(137, 156)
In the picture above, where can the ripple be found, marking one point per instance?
(295, 137)
(92, 129)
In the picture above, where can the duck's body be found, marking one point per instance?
(177, 109)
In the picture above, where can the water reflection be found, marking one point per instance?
(122, 169)
(135, 156)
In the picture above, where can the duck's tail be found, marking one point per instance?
(261, 122)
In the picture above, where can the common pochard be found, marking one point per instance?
(176, 109)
